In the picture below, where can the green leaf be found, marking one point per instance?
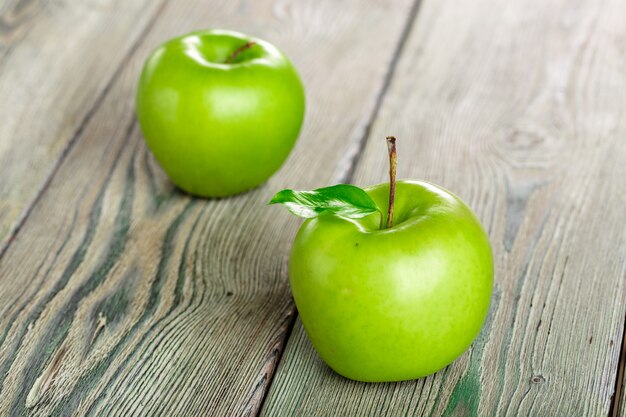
(342, 200)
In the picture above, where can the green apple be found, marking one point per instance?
(390, 303)
(219, 110)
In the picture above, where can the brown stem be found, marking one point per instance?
(238, 51)
(393, 161)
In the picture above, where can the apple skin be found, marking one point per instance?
(398, 303)
(219, 128)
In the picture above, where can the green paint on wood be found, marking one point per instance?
(465, 397)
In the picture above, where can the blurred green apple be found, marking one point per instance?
(219, 110)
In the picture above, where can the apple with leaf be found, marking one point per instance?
(392, 282)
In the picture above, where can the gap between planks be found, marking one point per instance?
(618, 405)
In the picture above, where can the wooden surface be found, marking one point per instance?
(522, 115)
(121, 296)
(53, 74)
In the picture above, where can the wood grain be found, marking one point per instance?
(518, 107)
(122, 296)
(57, 60)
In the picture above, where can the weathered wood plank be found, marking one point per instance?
(56, 62)
(122, 296)
(518, 107)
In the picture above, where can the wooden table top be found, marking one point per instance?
(121, 296)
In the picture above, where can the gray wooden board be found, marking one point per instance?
(122, 296)
(517, 107)
(57, 59)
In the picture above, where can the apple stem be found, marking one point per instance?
(238, 51)
(393, 161)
